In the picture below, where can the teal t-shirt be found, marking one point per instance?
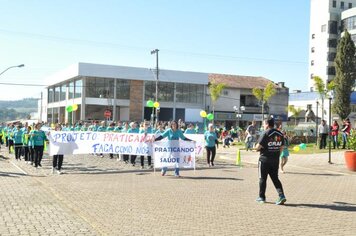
(173, 135)
(210, 138)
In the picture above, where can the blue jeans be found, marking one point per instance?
(176, 170)
(344, 140)
(335, 141)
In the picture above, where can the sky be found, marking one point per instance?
(253, 38)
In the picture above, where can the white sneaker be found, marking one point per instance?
(59, 172)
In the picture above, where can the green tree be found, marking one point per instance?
(323, 90)
(295, 112)
(345, 65)
(215, 90)
(264, 95)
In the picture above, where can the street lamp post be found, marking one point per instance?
(316, 123)
(22, 65)
(330, 98)
(157, 76)
(238, 111)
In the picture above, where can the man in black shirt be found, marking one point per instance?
(270, 145)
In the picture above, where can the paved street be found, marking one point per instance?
(102, 196)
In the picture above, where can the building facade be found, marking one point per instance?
(123, 92)
(326, 17)
(348, 22)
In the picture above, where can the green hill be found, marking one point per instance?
(16, 110)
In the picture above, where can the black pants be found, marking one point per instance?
(18, 151)
(26, 151)
(57, 161)
(149, 160)
(126, 158)
(6, 141)
(322, 143)
(31, 155)
(133, 159)
(210, 154)
(38, 155)
(266, 168)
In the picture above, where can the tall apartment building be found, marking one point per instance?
(327, 18)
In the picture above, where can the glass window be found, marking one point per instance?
(122, 89)
(333, 27)
(342, 5)
(100, 88)
(63, 92)
(78, 86)
(331, 56)
(71, 90)
(353, 37)
(189, 93)
(312, 63)
(311, 76)
(330, 70)
(312, 49)
(50, 95)
(323, 28)
(350, 5)
(332, 43)
(49, 115)
(334, 4)
(313, 36)
(248, 100)
(57, 91)
(165, 91)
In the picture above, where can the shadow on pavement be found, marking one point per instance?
(338, 207)
(314, 174)
(210, 178)
(11, 174)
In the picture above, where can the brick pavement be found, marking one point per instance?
(100, 196)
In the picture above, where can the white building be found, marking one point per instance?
(348, 18)
(325, 29)
(123, 92)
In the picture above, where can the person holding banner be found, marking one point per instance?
(111, 129)
(172, 133)
(210, 141)
(57, 159)
(147, 129)
(133, 130)
(124, 130)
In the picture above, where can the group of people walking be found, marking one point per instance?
(25, 142)
(29, 143)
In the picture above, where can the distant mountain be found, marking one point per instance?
(16, 110)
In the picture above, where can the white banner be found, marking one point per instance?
(83, 142)
(174, 153)
(199, 143)
(72, 142)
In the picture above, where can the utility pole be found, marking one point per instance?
(157, 77)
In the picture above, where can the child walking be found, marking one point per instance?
(285, 152)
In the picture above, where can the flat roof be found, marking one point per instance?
(125, 72)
